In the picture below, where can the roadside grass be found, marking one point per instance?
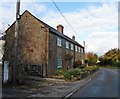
(111, 67)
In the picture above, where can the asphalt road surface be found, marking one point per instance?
(105, 84)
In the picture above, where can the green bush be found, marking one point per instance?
(78, 64)
(72, 73)
(67, 75)
(59, 72)
(77, 72)
(90, 69)
(84, 74)
(116, 64)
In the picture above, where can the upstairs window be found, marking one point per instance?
(71, 46)
(67, 45)
(81, 50)
(76, 48)
(59, 42)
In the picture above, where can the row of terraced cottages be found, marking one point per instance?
(41, 49)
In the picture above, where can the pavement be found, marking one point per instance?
(47, 87)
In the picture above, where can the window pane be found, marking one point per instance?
(81, 50)
(59, 63)
(76, 48)
(67, 45)
(71, 46)
(59, 42)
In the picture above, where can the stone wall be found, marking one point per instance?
(32, 43)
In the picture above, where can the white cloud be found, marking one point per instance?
(8, 10)
(40, 7)
(100, 42)
(104, 35)
(87, 20)
(96, 24)
(33, 7)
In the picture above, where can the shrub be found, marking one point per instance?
(77, 64)
(84, 74)
(91, 68)
(117, 64)
(59, 72)
(77, 71)
(74, 72)
(67, 75)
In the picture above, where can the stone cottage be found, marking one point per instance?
(41, 49)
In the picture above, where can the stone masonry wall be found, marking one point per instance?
(32, 43)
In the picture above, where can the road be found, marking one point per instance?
(105, 84)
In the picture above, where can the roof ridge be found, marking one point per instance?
(51, 28)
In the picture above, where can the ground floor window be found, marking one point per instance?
(82, 61)
(59, 63)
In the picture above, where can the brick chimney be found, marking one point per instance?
(73, 37)
(60, 28)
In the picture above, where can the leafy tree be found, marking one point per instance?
(112, 54)
(91, 58)
(112, 57)
(77, 64)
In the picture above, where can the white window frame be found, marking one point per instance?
(71, 46)
(59, 42)
(81, 50)
(67, 44)
(76, 48)
(82, 61)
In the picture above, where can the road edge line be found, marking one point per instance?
(72, 92)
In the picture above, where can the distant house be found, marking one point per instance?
(42, 47)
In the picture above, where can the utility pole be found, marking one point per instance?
(16, 42)
(84, 51)
(84, 45)
(86, 55)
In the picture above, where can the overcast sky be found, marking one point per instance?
(96, 23)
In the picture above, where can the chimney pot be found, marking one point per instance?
(60, 28)
(73, 37)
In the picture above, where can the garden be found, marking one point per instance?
(75, 73)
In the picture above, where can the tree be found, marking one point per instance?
(112, 57)
(112, 54)
(91, 58)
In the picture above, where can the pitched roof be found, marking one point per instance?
(51, 29)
